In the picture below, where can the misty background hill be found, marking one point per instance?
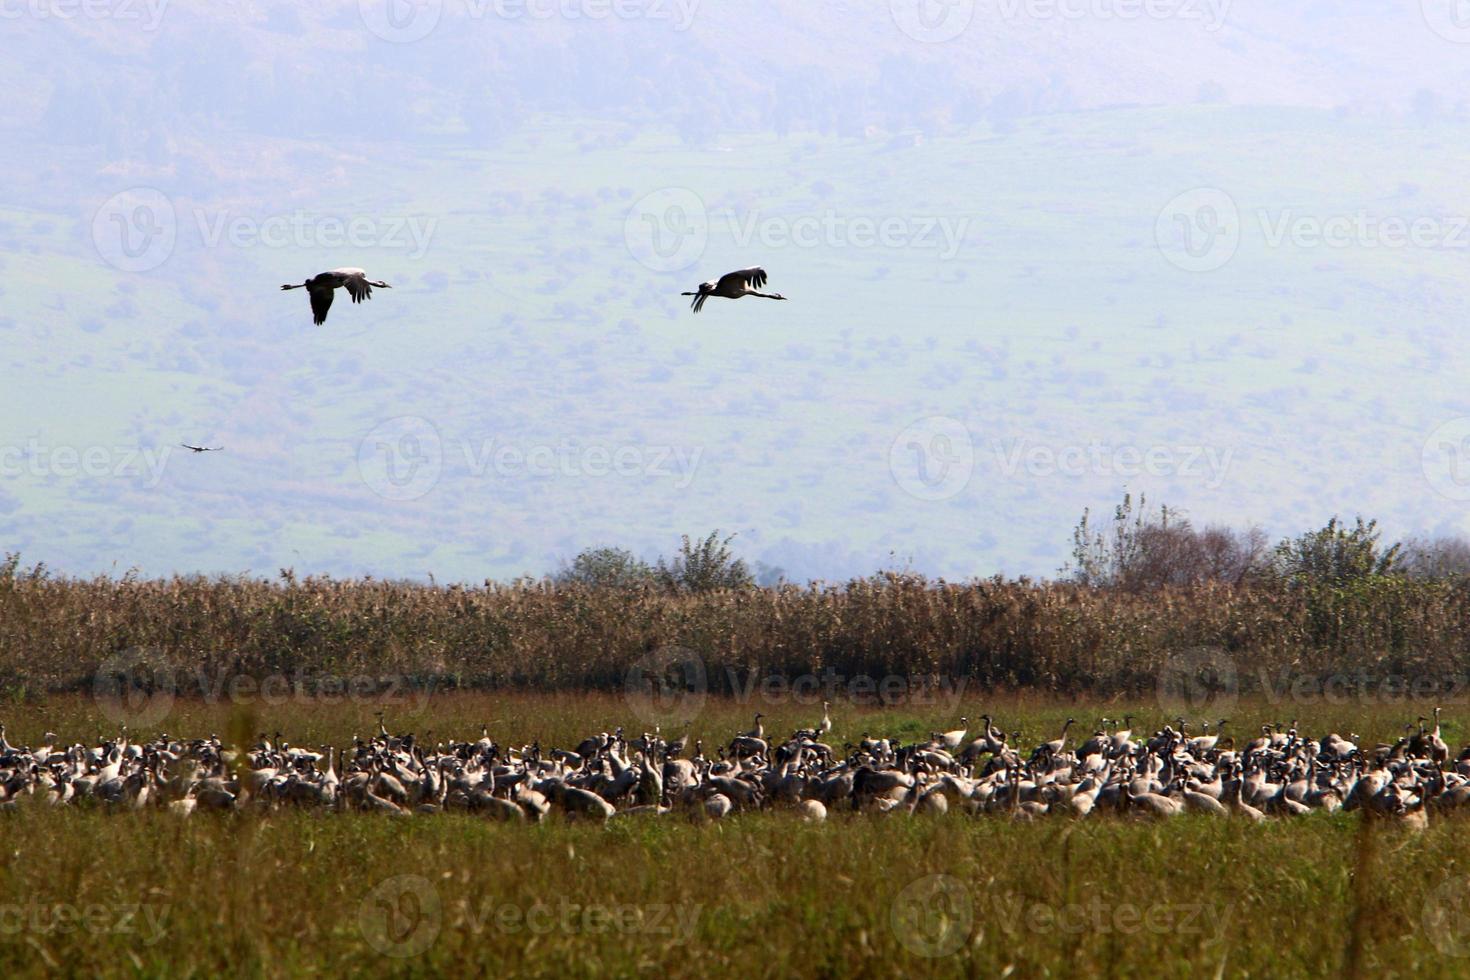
(1035, 258)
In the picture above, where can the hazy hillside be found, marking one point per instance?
(701, 67)
(502, 174)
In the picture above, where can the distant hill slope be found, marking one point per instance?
(522, 320)
(321, 71)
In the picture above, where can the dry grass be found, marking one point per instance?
(565, 719)
(56, 633)
(294, 893)
(761, 895)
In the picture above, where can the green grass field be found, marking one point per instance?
(293, 893)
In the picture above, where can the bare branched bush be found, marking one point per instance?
(1146, 550)
(1436, 558)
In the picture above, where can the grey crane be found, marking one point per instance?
(321, 287)
(733, 285)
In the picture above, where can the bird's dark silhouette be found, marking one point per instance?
(732, 285)
(322, 286)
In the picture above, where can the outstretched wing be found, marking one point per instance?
(321, 302)
(357, 287)
(743, 278)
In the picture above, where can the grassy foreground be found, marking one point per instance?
(761, 895)
(291, 893)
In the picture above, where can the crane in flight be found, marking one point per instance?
(733, 285)
(201, 449)
(322, 286)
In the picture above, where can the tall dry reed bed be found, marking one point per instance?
(55, 633)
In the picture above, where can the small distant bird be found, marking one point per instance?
(201, 449)
(321, 287)
(733, 285)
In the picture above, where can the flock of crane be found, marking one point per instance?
(1166, 774)
(321, 287)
